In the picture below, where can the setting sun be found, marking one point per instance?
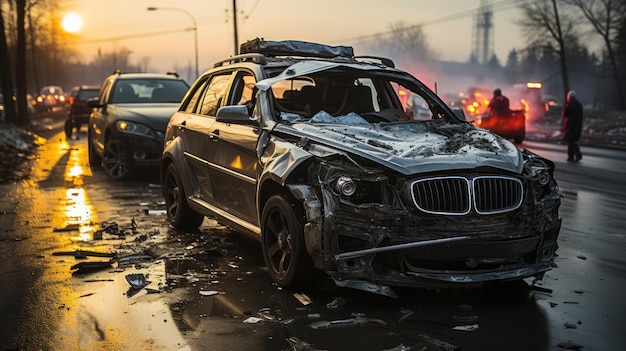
(72, 22)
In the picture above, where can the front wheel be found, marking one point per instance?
(114, 160)
(282, 239)
(179, 214)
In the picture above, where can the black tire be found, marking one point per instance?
(68, 126)
(283, 246)
(94, 159)
(179, 214)
(115, 161)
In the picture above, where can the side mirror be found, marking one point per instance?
(94, 102)
(236, 114)
(460, 114)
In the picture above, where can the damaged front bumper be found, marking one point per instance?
(379, 238)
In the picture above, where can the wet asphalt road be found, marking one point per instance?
(206, 289)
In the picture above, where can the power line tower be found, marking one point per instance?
(482, 33)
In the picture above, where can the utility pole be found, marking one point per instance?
(235, 27)
(564, 73)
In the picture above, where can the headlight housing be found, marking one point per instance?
(135, 128)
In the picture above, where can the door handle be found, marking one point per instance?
(214, 135)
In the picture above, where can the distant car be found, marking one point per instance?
(417, 108)
(77, 109)
(49, 97)
(308, 149)
(128, 120)
(552, 105)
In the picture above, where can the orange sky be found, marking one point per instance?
(160, 35)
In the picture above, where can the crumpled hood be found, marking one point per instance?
(415, 147)
(154, 115)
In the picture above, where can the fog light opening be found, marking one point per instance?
(544, 178)
(139, 155)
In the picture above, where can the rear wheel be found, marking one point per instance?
(114, 160)
(284, 250)
(178, 212)
(94, 159)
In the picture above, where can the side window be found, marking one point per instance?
(190, 104)
(243, 88)
(214, 94)
(103, 95)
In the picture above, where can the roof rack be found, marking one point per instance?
(295, 48)
(254, 58)
(384, 60)
(172, 73)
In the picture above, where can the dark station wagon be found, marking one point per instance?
(309, 149)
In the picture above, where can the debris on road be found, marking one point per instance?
(137, 280)
(569, 345)
(84, 267)
(305, 300)
(83, 254)
(469, 327)
(350, 322)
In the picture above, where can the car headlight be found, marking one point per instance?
(134, 128)
(345, 186)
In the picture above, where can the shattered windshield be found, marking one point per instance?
(342, 94)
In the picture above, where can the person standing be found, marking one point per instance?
(572, 126)
(499, 105)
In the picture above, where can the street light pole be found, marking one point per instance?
(194, 28)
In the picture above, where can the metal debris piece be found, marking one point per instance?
(305, 300)
(209, 292)
(67, 228)
(300, 345)
(469, 327)
(541, 289)
(136, 280)
(439, 344)
(350, 322)
(155, 212)
(336, 303)
(582, 257)
(253, 320)
(133, 258)
(400, 347)
(569, 345)
(570, 326)
(83, 254)
(91, 266)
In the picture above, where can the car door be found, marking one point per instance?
(97, 120)
(234, 167)
(195, 124)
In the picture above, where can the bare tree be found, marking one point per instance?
(541, 17)
(605, 17)
(5, 75)
(403, 41)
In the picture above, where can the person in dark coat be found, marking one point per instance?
(499, 105)
(572, 126)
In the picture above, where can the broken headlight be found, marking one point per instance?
(346, 186)
(359, 190)
(539, 170)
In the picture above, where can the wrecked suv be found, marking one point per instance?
(308, 148)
